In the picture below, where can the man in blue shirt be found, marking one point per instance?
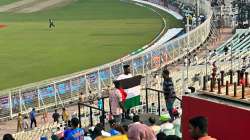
(33, 117)
(75, 133)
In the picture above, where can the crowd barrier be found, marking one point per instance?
(62, 90)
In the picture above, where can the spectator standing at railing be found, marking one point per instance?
(25, 122)
(19, 122)
(169, 92)
(196, 59)
(33, 118)
(56, 116)
(117, 105)
(127, 74)
(65, 115)
(81, 97)
(45, 116)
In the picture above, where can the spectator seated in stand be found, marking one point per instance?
(112, 130)
(75, 132)
(163, 136)
(98, 132)
(120, 129)
(167, 127)
(139, 131)
(198, 128)
(155, 128)
(8, 137)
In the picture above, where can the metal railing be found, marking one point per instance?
(85, 104)
(65, 89)
(159, 92)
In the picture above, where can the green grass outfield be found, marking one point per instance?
(88, 33)
(3, 2)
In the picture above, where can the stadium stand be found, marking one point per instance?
(152, 101)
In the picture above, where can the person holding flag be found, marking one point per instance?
(131, 85)
(117, 99)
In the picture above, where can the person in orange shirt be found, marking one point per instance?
(198, 128)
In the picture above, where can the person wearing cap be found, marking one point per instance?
(198, 128)
(167, 127)
(75, 133)
(177, 123)
(169, 92)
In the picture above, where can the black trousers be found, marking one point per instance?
(32, 121)
(51, 25)
(125, 114)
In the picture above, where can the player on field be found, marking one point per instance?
(51, 23)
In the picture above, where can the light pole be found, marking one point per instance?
(206, 62)
(187, 49)
(231, 55)
(197, 12)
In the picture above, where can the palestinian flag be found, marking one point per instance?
(132, 88)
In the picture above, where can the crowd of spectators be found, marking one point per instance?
(137, 130)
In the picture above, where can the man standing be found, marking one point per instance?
(169, 92)
(127, 74)
(198, 128)
(56, 116)
(65, 115)
(19, 122)
(33, 118)
(116, 103)
(51, 23)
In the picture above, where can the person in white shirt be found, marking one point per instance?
(167, 127)
(125, 75)
(177, 123)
